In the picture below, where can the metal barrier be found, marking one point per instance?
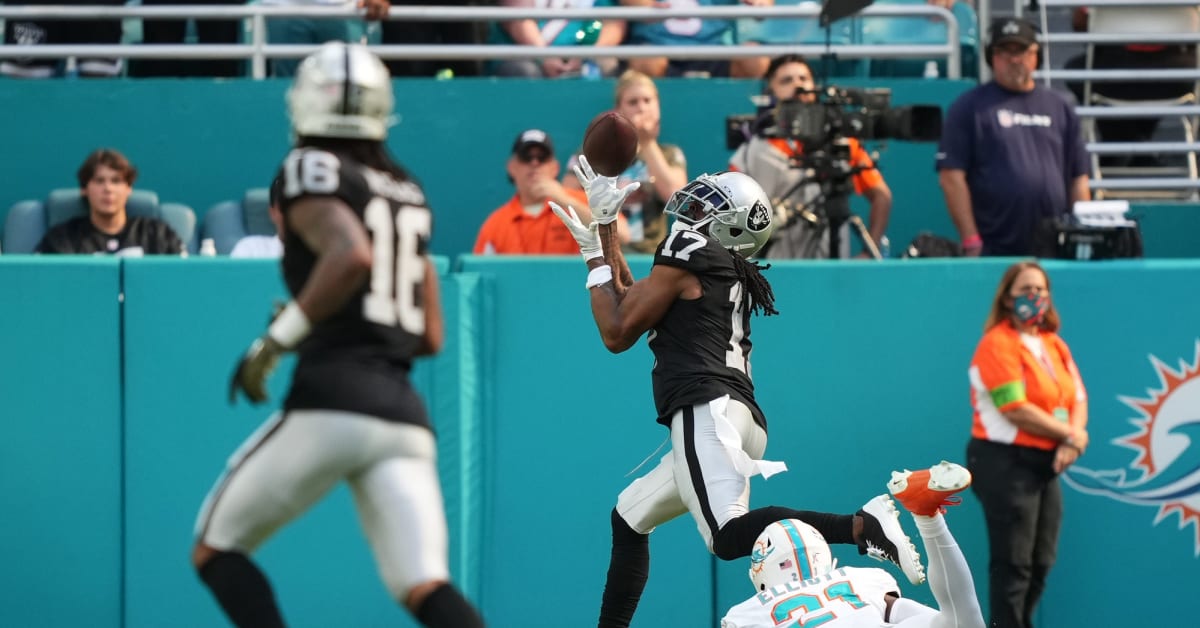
(259, 50)
(1142, 181)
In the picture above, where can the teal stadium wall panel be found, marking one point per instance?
(863, 372)
(187, 322)
(567, 423)
(60, 403)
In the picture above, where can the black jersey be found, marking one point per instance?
(702, 347)
(358, 359)
(140, 235)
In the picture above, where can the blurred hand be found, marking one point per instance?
(972, 252)
(546, 189)
(759, 3)
(1064, 457)
(254, 368)
(647, 127)
(555, 67)
(376, 9)
(945, 4)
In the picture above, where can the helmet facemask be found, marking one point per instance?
(733, 206)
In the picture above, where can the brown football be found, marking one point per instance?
(610, 143)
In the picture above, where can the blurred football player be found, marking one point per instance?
(365, 305)
(798, 584)
(696, 303)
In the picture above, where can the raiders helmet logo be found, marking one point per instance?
(759, 218)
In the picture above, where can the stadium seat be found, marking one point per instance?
(29, 220)
(784, 31)
(230, 221)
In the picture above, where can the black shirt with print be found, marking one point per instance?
(80, 236)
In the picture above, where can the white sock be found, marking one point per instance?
(949, 576)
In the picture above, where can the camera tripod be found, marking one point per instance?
(827, 212)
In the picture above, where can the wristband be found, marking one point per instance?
(972, 243)
(290, 327)
(599, 276)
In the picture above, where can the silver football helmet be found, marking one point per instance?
(732, 205)
(788, 551)
(341, 90)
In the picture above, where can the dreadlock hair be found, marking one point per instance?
(758, 295)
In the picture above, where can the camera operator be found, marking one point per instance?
(801, 204)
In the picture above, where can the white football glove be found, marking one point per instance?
(585, 235)
(604, 197)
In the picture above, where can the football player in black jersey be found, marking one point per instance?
(365, 305)
(696, 305)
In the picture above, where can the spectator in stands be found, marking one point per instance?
(1012, 155)
(525, 225)
(174, 31)
(691, 31)
(804, 219)
(553, 33)
(303, 30)
(397, 32)
(106, 181)
(1131, 57)
(661, 168)
(58, 32)
(265, 245)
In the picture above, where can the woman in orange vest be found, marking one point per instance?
(1030, 423)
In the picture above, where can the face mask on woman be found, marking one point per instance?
(1030, 309)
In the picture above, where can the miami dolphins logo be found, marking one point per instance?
(1167, 442)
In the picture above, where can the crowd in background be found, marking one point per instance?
(1001, 202)
(306, 30)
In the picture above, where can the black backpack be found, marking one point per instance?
(927, 244)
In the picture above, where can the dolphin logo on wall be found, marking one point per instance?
(1166, 471)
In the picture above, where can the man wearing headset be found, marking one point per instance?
(1012, 155)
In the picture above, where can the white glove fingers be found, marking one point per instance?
(586, 168)
(567, 215)
(629, 189)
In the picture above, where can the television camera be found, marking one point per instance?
(822, 122)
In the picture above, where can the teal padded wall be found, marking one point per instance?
(187, 322)
(60, 454)
(540, 428)
(567, 422)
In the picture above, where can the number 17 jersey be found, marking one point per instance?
(702, 346)
(358, 359)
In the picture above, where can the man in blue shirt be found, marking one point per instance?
(1012, 153)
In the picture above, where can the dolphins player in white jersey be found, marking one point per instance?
(799, 583)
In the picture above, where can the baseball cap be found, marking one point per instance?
(532, 137)
(1014, 30)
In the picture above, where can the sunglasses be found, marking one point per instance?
(530, 156)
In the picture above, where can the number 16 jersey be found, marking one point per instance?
(358, 359)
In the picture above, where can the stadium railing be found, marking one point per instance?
(258, 50)
(1089, 111)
